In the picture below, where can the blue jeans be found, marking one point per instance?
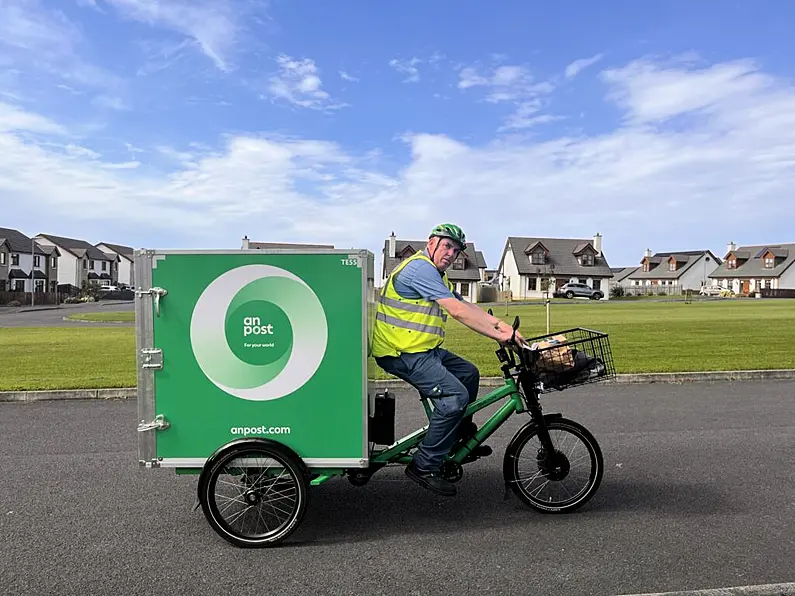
(451, 383)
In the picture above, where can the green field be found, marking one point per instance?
(126, 316)
(645, 337)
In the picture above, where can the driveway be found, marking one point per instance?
(53, 316)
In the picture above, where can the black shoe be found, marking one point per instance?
(433, 481)
(478, 452)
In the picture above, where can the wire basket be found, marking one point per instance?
(572, 357)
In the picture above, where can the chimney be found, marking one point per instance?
(731, 247)
(391, 251)
(647, 253)
(245, 242)
(597, 244)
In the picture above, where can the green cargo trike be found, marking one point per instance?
(252, 373)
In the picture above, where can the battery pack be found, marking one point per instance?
(381, 429)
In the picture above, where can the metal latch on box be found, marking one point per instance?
(153, 358)
(159, 423)
(158, 293)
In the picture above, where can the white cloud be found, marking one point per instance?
(13, 119)
(110, 102)
(651, 92)
(212, 25)
(35, 37)
(298, 82)
(511, 83)
(727, 174)
(348, 77)
(408, 68)
(573, 69)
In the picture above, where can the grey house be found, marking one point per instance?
(529, 267)
(466, 272)
(747, 269)
(26, 265)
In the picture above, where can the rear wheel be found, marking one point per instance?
(596, 296)
(569, 294)
(559, 482)
(254, 495)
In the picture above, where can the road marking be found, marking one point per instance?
(787, 589)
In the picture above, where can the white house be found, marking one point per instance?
(25, 265)
(673, 271)
(81, 262)
(747, 269)
(126, 261)
(535, 267)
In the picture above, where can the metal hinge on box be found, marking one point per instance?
(153, 358)
(159, 423)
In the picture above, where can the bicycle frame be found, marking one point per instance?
(396, 453)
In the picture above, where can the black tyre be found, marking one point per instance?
(254, 494)
(569, 294)
(596, 296)
(557, 484)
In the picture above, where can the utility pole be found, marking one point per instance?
(32, 268)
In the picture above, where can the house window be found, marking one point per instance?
(768, 283)
(646, 267)
(586, 260)
(37, 261)
(770, 262)
(532, 283)
(672, 266)
(105, 266)
(39, 285)
(538, 258)
(15, 260)
(731, 264)
(91, 265)
(19, 285)
(85, 263)
(53, 263)
(464, 289)
(457, 264)
(597, 284)
(2, 258)
(54, 287)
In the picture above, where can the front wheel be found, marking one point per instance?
(255, 494)
(559, 482)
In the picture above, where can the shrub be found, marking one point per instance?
(616, 291)
(15, 303)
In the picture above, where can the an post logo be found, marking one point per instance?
(258, 332)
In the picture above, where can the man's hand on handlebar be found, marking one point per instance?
(508, 335)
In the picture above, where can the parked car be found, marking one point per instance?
(715, 291)
(571, 290)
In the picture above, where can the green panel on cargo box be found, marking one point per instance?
(261, 345)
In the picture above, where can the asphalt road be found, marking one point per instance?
(698, 493)
(54, 317)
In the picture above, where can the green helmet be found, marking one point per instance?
(452, 231)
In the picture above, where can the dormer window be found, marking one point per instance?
(770, 261)
(538, 258)
(646, 267)
(731, 264)
(459, 263)
(586, 260)
(672, 266)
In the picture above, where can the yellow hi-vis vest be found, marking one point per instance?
(404, 325)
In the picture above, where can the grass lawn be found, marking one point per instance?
(645, 337)
(127, 316)
(67, 358)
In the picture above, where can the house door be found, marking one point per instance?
(745, 286)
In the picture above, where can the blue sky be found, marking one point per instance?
(189, 123)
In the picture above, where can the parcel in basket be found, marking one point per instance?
(552, 358)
